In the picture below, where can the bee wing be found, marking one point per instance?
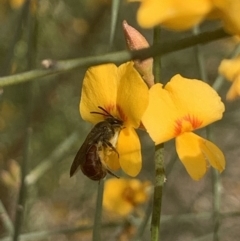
(93, 137)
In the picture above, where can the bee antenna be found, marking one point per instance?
(101, 108)
(100, 113)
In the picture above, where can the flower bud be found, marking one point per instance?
(135, 41)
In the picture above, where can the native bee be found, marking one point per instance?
(101, 139)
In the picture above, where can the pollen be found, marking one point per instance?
(186, 123)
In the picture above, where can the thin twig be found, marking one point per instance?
(199, 57)
(6, 219)
(115, 57)
(28, 135)
(216, 204)
(157, 59)
(96, 236)
(17, 33)
(157, 197)
(114, 18)
(22, 191)
(56, 155)
(144, 222)
(98, 213)
(165, 219)
(45, 234)
(158, 159)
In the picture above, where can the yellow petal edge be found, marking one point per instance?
(197, 153)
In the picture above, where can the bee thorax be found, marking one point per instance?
(114, 139)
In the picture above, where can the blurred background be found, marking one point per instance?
(41, 126)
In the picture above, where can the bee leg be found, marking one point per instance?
(112, 173)
(109, 144)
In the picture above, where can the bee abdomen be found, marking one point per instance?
(92, 167)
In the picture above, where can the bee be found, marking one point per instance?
(101, 139)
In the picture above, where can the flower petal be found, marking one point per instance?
(129, 149)
(182, 105)
(229, 13)
(132, 96)
(234, 91)
(213, 154)
(173, 14)
(160, 114)
(113, 197)
(99, 89)
(195, 153)
(112, 161)
(230, 68)
(123, 195)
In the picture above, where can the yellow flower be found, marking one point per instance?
(228, 12)
(122, 92)
(183, 15)
(178, 108)
(121, 196)
(173, 14)
(230, 69)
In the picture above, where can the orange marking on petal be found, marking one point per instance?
(128, 195)
(186, 123)
(121, 114)
(110, 108)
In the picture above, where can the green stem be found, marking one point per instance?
(157, 59)
(17, 33)
(114, 17)
(46, 234)
(158, 188)
(54, 67)
(216, 196)
(98, 213)
(22, 192)
(158, 158)
(165, 219)
(27, 145)
(216, 204)
(199, 57)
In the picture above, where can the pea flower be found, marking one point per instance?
(172, 14)
(178, 108)
(183, 15)
(228, 12)
(230, 69)
(122, 92)
(122, 196)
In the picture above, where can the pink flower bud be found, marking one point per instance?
(135, 41)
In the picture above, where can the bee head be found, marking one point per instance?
(114, 122)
